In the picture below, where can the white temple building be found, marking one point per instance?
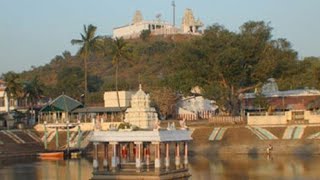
(196, 107)
(144, 152)
(189, 25)
(140, 113)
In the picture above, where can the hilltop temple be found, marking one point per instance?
(189, 25)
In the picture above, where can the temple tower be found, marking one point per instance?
(137, 17)
(141, 114)
(189, 23)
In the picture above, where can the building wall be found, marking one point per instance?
(4, 102)
(267, 119)
(281, 119)
(110, 98)
(130, 31)
(134, 30)
(83, 126)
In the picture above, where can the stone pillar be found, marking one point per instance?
(114, 155)
(129, 151)
(118, 154)
(138, 155)
(124, 153)
(167, 160)
(148, 155)
(105, 160)
(95, 164)
(185, 154)
(177, 158)
(157, 158)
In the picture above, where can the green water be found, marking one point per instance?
(224, 168)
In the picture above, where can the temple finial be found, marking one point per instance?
(140, 87)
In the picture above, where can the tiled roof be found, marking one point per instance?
(62, 103)
(98, 109)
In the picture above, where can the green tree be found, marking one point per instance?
(88, 43)
(145, 34)
(33, 90)
(119, 52)
(69, 82)
(13, 86)
(226, 64)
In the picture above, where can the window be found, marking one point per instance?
(1, 101)
(12, 102)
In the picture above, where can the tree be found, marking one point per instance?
(145, 34)
(119, 52)
(164, 100)
(226, 64)
(13, 86)
(69, 82)
(88, 43)
(33, 90)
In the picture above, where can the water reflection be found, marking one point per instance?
(30, 169)
(259, 167)
(201, 167)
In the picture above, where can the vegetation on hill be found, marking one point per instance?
(222, 63)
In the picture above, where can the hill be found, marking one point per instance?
(222, 63)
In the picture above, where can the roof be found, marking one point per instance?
(298, 92)
(62, 103)
(141, 136)
(98, 109)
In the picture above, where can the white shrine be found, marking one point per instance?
(144, 153)
(141, 114)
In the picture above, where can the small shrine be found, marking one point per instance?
(140, 113)
(142, 152)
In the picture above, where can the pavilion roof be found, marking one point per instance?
(99, 109)
(141, 136)
(62, 103)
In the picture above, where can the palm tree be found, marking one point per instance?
(88, 43)
(13, 87)
(33, 91)
(119, 51)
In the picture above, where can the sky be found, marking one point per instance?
(32, 32)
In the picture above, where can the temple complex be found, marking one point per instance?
(189, 25)
(143, 152)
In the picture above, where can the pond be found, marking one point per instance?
(201, 167)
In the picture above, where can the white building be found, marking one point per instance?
(141, 113)
(4, 104)
(195, 107)
(111, 100)
(158, 27)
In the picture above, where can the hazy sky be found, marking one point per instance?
(32, 32)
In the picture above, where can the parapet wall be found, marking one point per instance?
(83, 126)
(283, 118)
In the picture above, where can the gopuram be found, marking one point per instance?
(142, 149)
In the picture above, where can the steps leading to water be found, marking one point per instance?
(294, 132)
(217, 134)
(13, 136)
